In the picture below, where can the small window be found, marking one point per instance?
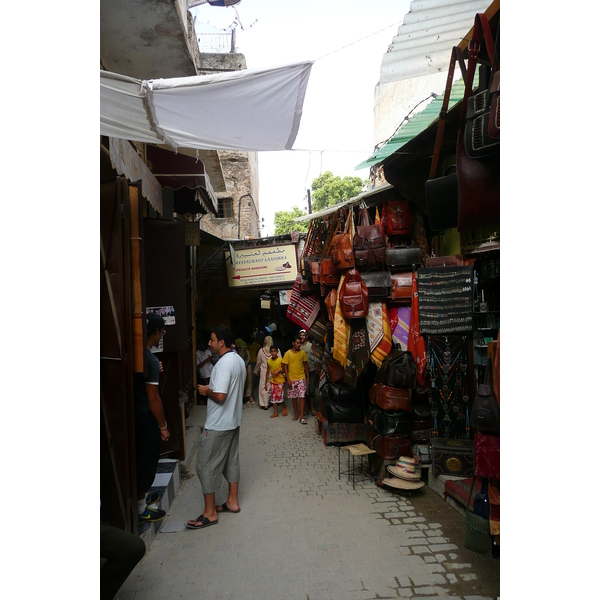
(225, 208)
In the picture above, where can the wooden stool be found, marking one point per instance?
(354, 450)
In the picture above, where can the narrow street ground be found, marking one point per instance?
(303, 534)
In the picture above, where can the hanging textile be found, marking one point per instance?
(401, 331)
(341, 330)
(302, 310)
(385, 345)
(416, 343)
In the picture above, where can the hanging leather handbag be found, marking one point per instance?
(354, 296)
(388, 422)
(398, 218)
(334, 371)
(315, 269)
(369, 243)
(330, 302)
(402, 258)
(388, 447)
(478, 178)
(329, 274)
(441, 193)
(343, 404)
(379, 284)
(485, 413)
(487, 455)
(390, 398)
(398, 370)
(444, 261)
(421, 428)
(341, 246)
(305, 286)
(401, 289)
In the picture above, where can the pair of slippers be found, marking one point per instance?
(201, 522)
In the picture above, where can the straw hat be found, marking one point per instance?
(406, 468)
(403, 484)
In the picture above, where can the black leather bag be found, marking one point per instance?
(441, 198)
(342, 404)
(398, 370)
(387, 422)
(378, 283)
(403, 258)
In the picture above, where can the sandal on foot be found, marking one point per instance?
(204, 522)
(225, 508)
(284, 413)
(273, 416)
(303, 421)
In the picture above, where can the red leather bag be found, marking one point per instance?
(401, 287)
(387, 397)
(487, 455)
(330, 302)
(369, 243)
(397, 217)
(354, 296)
(329, 274)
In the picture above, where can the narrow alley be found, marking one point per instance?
(305, 534)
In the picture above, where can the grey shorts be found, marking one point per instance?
(218, 454)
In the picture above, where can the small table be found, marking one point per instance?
(354, 450)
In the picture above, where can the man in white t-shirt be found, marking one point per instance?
(218, 451)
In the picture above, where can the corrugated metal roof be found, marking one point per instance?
(426, 36)
(418, 123)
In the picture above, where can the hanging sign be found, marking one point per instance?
(261, 266)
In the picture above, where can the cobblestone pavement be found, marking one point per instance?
(303, 534)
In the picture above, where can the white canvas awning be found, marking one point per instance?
(249, 110)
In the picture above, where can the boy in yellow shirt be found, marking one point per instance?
(295, 366)
(275, 371)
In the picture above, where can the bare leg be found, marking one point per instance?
(232, 498)
(295, 407)
(302, 408)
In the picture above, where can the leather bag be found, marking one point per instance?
(334, 371)
(315, 269)
(341, 247)
(485, 413)
(369, 243)
(388, 447)
(390, 398)
(354, 296)
(401, 288)
(343, 404)
(329, 274)
(330, 302)
(434, 262)
(388, 422)
(487, 456)
(378, 283)
(398, 218)
(441, 193)
(398, 370)
(420, 430)
(478, 179)
(402, 258)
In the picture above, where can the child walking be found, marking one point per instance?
(275, 371)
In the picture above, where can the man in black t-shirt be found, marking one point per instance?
(150, 424)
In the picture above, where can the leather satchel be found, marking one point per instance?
(343, 404)
(478, 179)
(398, 370)
(330, 302)
(315, 269)
(341, 247)
(379, 284)
(388, 447)
(398, 218)
(487, 455)
(334, 371)
(329, 274)
(402, 258)
(485, 414)
(388, 422)
(455, 260)
(369, 243)
(354, 296)
(390, 398)
(401, 290)
(421, 429)
(441, 193)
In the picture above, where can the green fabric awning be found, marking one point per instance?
(417, 124)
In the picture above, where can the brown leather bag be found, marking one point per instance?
(354, 296)
(315, 269)
(341, 247)
(369, 243)
(329, 274)
(390, 398)
(389, 447)
(398, 218)
(330, 302)
(401, 287)
(335, 371)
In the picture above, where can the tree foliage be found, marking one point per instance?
(284, 221)
(329, 189)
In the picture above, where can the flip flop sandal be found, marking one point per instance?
(225, 508)
(201, 519)
(303, 421)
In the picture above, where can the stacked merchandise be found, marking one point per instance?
(389, 414)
